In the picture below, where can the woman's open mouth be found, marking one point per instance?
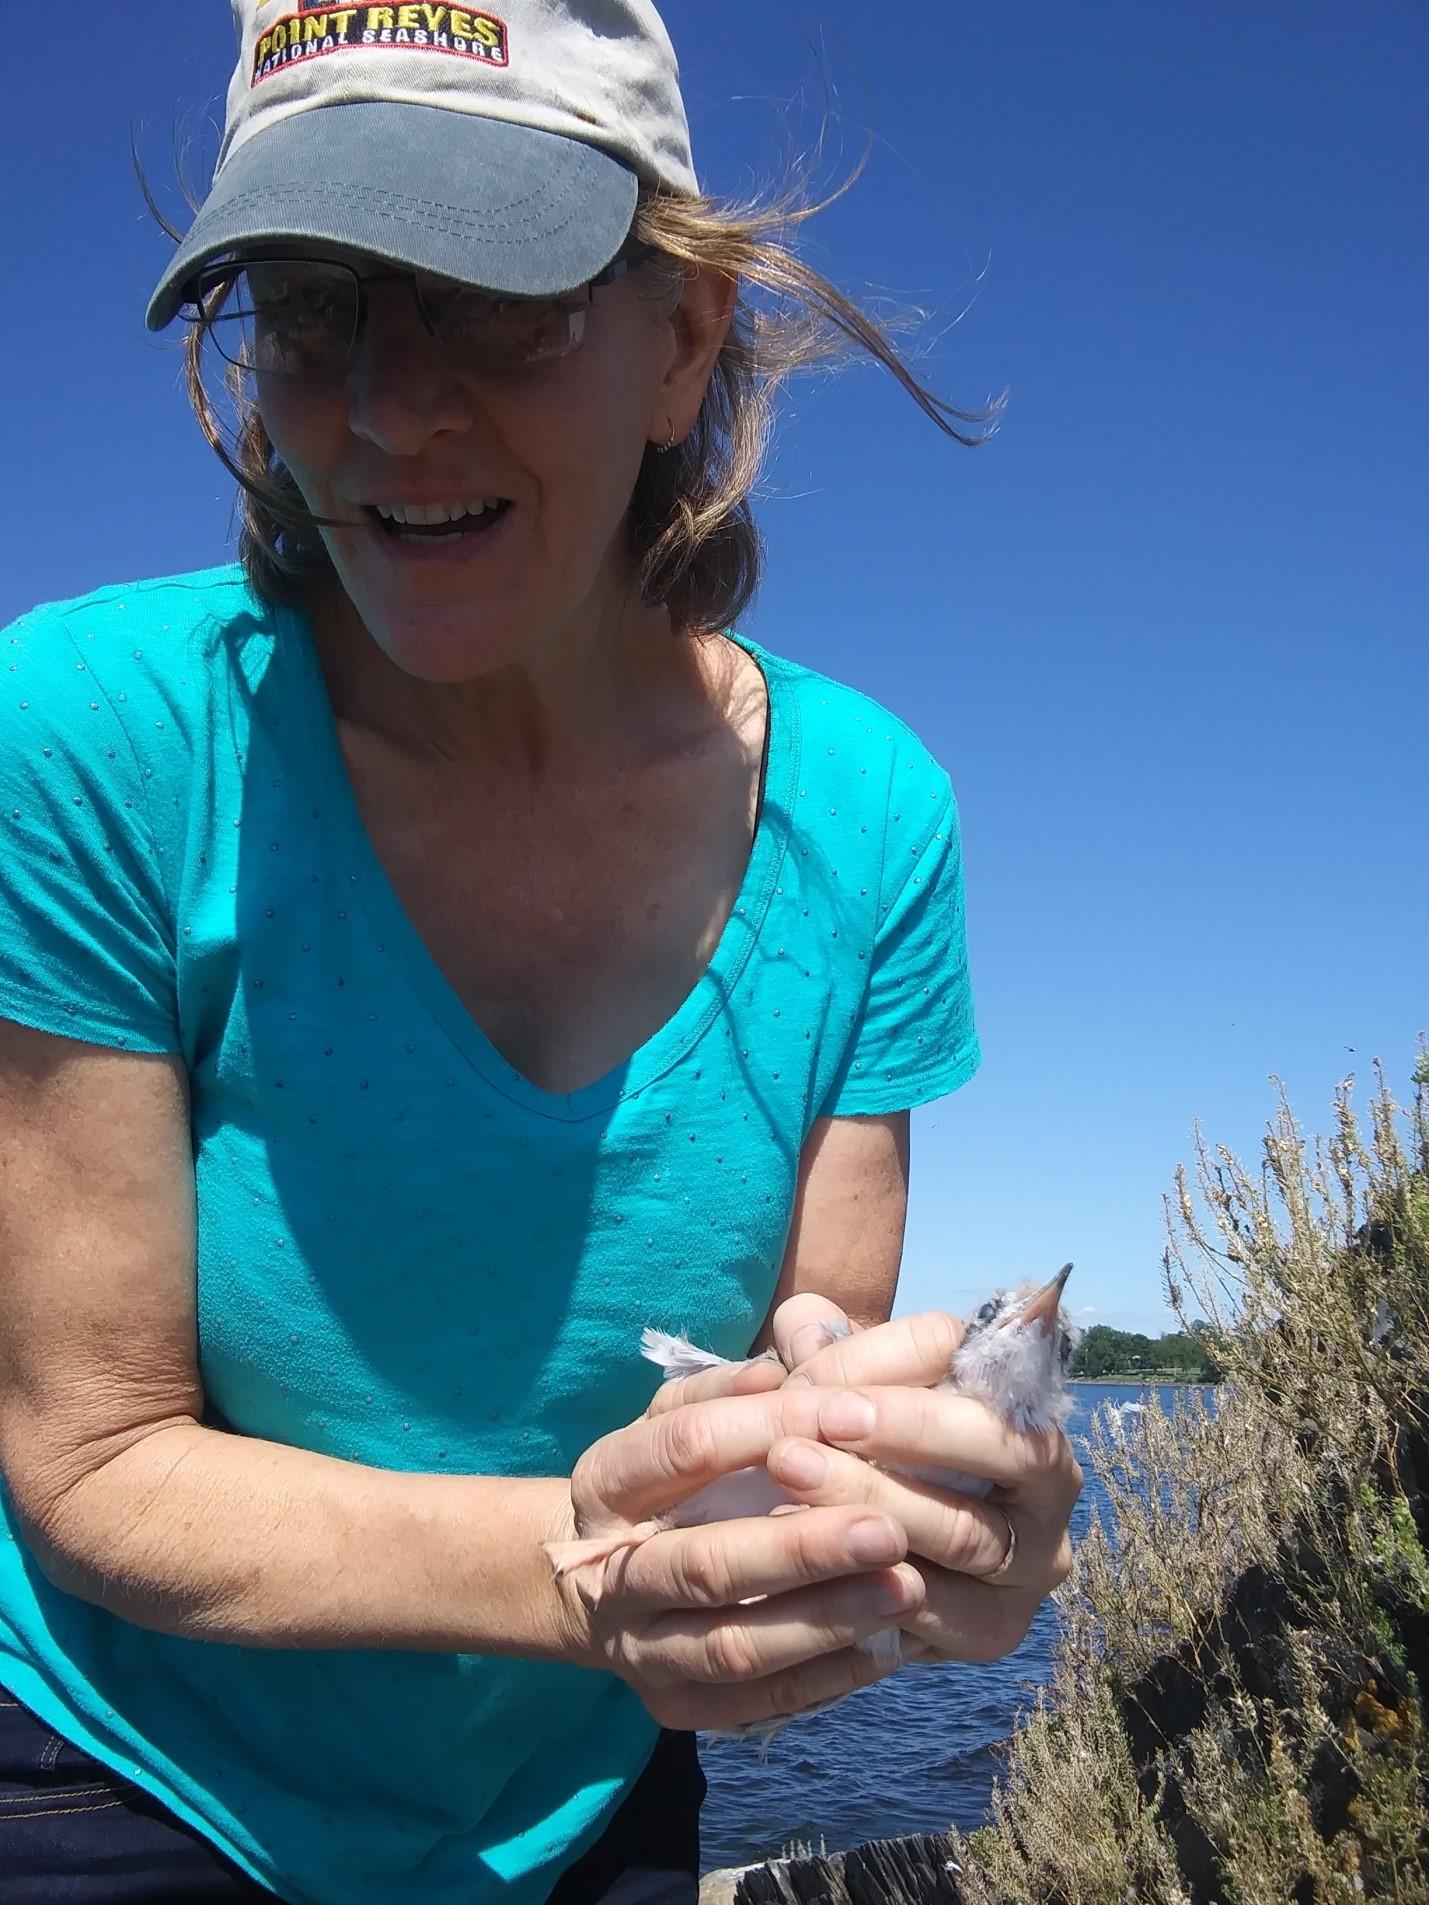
(428, 523)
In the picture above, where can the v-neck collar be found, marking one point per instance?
(403, 944)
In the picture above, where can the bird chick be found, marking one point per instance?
(1014, 1356)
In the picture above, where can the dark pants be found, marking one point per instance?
(74, 1833)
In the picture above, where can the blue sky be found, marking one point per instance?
(1167, 631)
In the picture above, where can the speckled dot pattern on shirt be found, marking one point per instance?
(408, 1254)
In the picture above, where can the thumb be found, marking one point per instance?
(805, 1324)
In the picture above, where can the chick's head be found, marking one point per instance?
(1016, 1352)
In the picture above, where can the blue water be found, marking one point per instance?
(916, 1753)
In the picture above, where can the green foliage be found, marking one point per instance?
(1108, 1355)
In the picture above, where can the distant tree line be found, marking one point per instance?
(1108, 1355)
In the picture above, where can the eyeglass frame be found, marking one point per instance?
(574, 303)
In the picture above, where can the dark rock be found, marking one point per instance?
(1330, 1788)
(1164, 1704)
(901, 1868)
(914, 1871)
(1196, 1855)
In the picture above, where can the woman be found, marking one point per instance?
(432, 952)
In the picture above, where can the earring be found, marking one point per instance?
(661, 449)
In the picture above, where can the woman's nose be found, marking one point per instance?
(402, 389)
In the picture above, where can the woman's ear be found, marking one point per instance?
(700, 323)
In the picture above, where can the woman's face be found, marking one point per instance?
(557, 444)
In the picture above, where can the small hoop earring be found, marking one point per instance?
(663, 449)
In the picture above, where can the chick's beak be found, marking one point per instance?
(1044, 1306)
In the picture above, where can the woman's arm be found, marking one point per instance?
(129, 1500)
(126, 1497)
(846, 1239)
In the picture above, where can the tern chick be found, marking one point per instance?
(1014, 1356)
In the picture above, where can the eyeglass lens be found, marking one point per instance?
(302, 319)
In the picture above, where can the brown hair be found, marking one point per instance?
(693, 532)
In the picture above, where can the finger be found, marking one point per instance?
(777, 1697)
(733, 1561)
(917, 1350)
(954, 1531)
(932, 1429)
(777, 1634)
(757, 1376)
(962, 1619)
(638, 1472)
(805, 1324)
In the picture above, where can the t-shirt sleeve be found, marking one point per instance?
(86, 933)
(915, 1039)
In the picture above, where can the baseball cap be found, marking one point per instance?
(504, 150)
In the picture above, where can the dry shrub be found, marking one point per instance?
(1236, 1712)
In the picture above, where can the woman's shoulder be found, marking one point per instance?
(180, 616)
(156, 657)
(843, 724)
(114, 708)
(112, 702)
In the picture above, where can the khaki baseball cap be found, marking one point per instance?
(504, 150)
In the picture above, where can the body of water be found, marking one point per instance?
(916, 1753)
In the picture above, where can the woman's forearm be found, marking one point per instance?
(194, 1532)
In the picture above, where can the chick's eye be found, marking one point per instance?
(986, 1313)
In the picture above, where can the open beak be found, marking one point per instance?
(1044, 1306)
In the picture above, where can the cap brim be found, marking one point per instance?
(517, 211)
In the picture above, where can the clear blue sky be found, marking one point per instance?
(1167, 631)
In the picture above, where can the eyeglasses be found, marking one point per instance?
(302, 317)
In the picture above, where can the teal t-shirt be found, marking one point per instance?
(408, 1254)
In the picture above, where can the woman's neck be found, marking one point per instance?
(585, 709)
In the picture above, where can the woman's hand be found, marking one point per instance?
(977, 1607)
(958, 1542)
(669, 1615)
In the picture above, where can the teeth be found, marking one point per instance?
(425, 515)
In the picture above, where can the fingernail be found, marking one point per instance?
(847, 1417)
(803, 1465)
(873, 1543)
(808, 1342)
(891, 1595)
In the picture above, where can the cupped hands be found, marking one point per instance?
(986, 1565)
(738, 1623)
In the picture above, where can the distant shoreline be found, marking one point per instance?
(1129, 1379)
